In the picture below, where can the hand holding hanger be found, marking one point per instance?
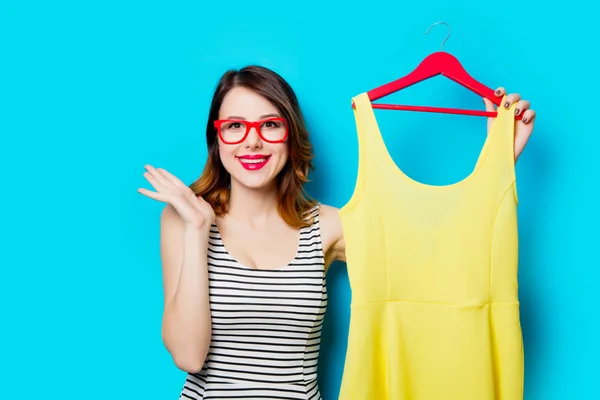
(523, 126)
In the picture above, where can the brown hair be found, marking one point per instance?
(213, 185)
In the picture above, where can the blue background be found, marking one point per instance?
(91, 91)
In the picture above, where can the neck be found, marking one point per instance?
(252, 205)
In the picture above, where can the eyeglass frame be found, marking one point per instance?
(249, 125)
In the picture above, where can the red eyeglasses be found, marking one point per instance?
(234, 131)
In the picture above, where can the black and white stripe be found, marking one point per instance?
(266, 325)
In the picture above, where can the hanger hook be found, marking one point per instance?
(449, 32)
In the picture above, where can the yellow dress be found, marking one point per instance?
(433, 272)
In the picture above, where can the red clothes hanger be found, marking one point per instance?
(438, 63)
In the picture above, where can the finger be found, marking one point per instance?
(489, 106)
(153, 195)
(500, 92)
(170, 177)
(156, 174)
(510, 99)
(528, 116)
(521, 106)
(175, 201)
(156, 184)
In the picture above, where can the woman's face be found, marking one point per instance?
(254, 162)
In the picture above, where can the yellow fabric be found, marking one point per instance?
(433, 272)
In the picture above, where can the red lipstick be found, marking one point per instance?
(253, 162)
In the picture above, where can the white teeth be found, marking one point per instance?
(252, 161)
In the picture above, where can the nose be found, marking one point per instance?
(253, 140)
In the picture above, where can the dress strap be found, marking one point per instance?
(500, 155)
(370, 146)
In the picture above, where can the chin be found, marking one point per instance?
(256, 177)
(256, 182)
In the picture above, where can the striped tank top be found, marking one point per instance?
(266, 325)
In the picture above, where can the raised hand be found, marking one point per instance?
(193, 210)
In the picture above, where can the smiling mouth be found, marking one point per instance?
(253, 163)
(253, 160)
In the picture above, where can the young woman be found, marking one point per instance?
(245, 252)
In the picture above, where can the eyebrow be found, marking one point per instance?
(261, 117)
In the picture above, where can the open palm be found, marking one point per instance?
(193, 210)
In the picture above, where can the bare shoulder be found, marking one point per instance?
(171, 238)
(171, 226)
(171, 250)
(331, 233)
(169, 216)
(329, 214)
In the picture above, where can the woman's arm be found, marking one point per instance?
(186, 328)
(184, 228)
